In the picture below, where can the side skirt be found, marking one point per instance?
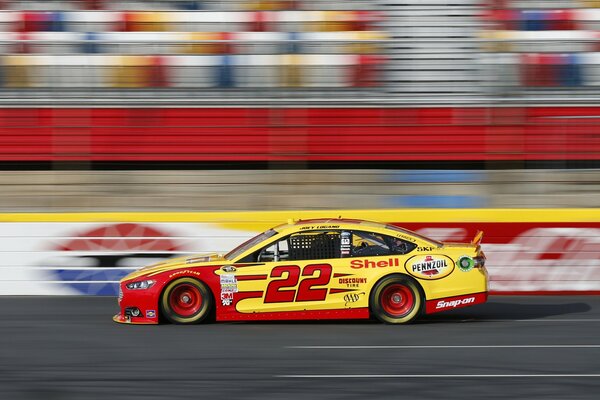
(353, 313)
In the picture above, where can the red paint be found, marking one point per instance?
(279, 290)
(397, 300)
(320, 275)
(353, 313)
(365, 263)
(305, 134)
(450, 303)
(186, 300)
(283, 290)
(335, 291)
(549, 293)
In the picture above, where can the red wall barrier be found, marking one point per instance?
(531, 257)
(311, 134)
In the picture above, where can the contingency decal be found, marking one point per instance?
(466, 263)
(346, 243)
(429, 266)
(352, 298)
(228, 288)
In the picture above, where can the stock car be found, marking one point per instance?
(311, 269)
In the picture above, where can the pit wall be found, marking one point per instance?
(298, 134)
(529, 251)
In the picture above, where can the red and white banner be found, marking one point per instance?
(532, 257)
(45, 254)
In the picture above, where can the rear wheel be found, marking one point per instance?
(186, 301)
(396, 300)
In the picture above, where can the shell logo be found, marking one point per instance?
(92, 262)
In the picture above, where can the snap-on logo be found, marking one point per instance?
(429, 266)
(442, 304)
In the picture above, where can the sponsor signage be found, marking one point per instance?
(437, 305)
(93, 261)
(429, 266)
(527, 251)
(370, 263)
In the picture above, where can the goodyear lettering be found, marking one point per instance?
(426, 266)
(346, 281)
(391, 262)
(454, 303)
(184, 272)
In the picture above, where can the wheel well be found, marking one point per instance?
(161, 317)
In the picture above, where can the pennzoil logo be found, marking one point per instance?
(429, 266)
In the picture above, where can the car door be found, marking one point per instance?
(295, 273)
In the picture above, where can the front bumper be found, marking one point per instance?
(146, 301)
(121, 319)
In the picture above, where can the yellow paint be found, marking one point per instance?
(368, 270)
(251, 220)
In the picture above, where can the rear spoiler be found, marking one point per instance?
(477, 239)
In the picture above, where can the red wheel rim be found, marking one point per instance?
(397, 300)
(185, 300)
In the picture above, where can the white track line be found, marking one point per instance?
(459, 376)
(537, 320)
(489, 346)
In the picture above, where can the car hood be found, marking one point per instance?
(193, 260)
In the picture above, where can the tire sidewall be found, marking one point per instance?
(199, 316)
(375, 300)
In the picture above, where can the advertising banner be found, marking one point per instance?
(528, 251)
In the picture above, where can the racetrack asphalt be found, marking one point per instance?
(513, 347)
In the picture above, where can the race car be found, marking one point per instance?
(311, 269)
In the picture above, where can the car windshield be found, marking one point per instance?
(233, 254)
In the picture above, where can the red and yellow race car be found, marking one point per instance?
(311, 269)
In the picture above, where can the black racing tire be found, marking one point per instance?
(186, 301)
(396, 299)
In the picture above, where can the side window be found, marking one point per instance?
(312, 245)
(399, 246)
(365, 244)
(277, 251)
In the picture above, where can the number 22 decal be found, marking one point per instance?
(283, 290)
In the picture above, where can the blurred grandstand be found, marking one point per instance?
(120, 105)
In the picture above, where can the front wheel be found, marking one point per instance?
(186, 301)
(396, 300)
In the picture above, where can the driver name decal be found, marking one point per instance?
(429, 266)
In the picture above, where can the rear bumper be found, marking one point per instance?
(450, 303)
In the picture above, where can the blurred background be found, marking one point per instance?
(309, 104)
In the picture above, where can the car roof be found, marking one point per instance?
(323, 222)
(347, 223)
